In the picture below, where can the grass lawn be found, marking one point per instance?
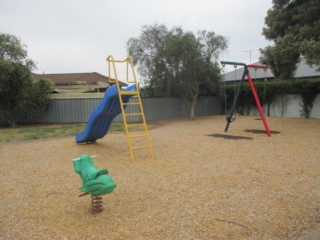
(45, 131)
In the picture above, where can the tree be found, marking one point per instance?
(144, 50)
(294, 27)
(13, 51)
(37, 98)
(178, 63)
(19, 92)
(281, 58)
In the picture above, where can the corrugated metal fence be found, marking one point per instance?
(79, 110)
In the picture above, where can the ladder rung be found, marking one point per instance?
(135, 125)
(137, 136)
(138, 147)
(129, 93)
(131, 103)
(132, 114)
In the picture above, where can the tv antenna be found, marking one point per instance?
(249, 51)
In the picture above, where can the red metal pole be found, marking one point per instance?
(257, 66)
(253, 89)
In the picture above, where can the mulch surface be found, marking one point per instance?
(200, 184)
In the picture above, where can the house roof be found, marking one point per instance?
(74, 78)
(303, 70)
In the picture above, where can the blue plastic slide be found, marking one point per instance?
(102, 116)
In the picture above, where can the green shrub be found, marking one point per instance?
(269, 91)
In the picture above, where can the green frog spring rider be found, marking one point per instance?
(95, 181)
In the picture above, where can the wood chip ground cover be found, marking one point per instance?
(196, 187)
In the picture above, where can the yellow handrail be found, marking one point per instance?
(128, 62)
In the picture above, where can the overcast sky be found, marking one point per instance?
(67, 36)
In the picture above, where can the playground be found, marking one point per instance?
(200, 184)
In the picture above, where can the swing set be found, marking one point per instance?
(246, 73)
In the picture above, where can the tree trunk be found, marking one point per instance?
(168, 88)
(194, 102)
(12, 120)
(193, 108)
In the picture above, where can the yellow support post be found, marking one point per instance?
(140, 113)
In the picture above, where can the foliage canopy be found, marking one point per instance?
(294, 27)
(19, 92)
(178, 63)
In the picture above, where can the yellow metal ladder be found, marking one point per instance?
(137, 132)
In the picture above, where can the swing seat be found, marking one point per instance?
(231, 119)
